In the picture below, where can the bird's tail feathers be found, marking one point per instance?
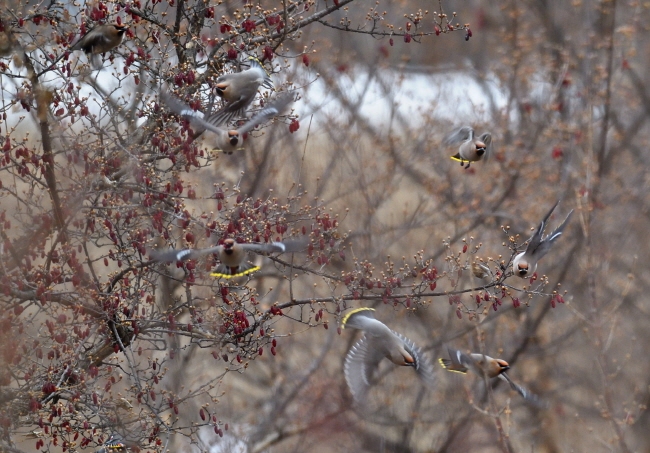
(223, 271)
(350, 319)
(451, 366)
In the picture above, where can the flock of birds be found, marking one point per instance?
(379, 341)
(238, 90)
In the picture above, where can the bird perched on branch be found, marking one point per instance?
(239, 90)
(227, 140)
(472, 148)
(101, 39)
(525, 263)
(232, 255)
(378, 342)
(481, 364)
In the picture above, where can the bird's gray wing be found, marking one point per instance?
(547, 243)
(232, 110)
(295, 245)
(195, 117)
(423, 366)
(173, 255)
(360, 364)
(89, 40)
(537, 236)
(461, 361)
(257, 247)
(525, 393)
(273, 109)
(459, 136)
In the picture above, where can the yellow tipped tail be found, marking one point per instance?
(450, 366)
(238, 274)
(356, 310)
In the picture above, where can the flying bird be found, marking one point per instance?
(227, 140)
(525, 263)
(114, 444)
(239, 90)
(377, 343)
(232, 255)
(472, 148)
(481, 364)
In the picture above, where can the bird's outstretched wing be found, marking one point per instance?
(194, 116)
(360, 364)
(459, 136)
(273, 109)
(525, 393)
(173, 255)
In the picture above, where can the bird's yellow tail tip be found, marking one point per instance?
(356, 310)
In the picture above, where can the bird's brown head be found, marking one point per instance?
(410, 359)
(120, 28)
(503, 365)
(228, 245)
(233, 137)
(522, 269)
(221, 89)
(480, 148)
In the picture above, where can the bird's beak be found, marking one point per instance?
(480, 148)
(220, 89)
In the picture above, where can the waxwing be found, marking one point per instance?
(525, 263)
(377, 343)
(472, 148)
(227, 140)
